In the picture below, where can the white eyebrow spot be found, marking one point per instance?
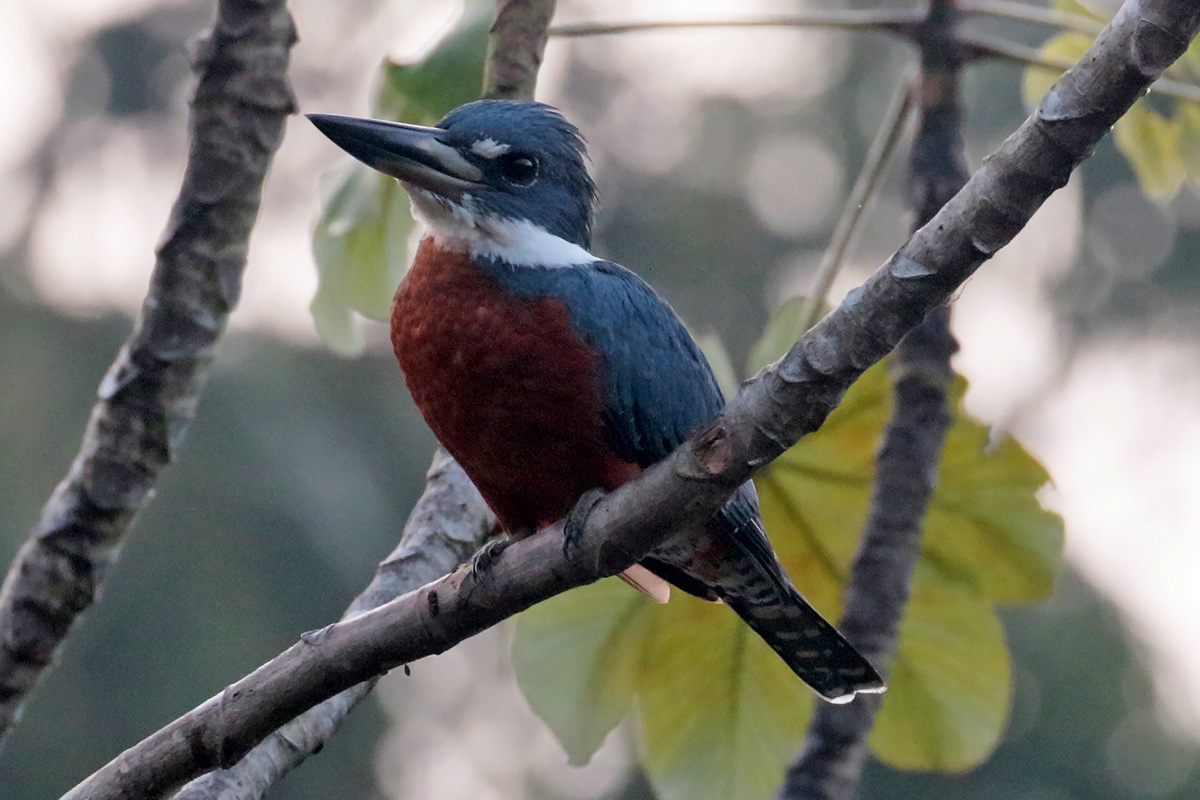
(489, 148)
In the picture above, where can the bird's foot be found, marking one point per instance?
(577, 518)
(488, 555)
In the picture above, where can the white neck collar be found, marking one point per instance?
(460, 228)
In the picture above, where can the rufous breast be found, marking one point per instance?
(507, 384)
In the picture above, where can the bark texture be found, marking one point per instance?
(769, 414)
(515, 48)
(148, 398)
(830, 763)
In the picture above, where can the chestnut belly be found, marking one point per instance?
(509, 388)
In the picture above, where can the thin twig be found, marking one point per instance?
(870, 19)
(768, 415)
(882, 147)
(1025, 12)
(148, 398)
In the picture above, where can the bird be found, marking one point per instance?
(548, 372)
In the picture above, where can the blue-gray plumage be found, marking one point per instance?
(547, 372)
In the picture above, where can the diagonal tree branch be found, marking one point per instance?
(830, 763)
(448, 523)
(149, 396)
(770, 413)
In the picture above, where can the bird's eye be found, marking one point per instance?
(519, 170)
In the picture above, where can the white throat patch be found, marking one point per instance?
(461, 228)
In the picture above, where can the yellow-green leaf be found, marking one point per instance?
(985, 527)
(1189, 140)
(721, 714)
(1150, 143)
(578, 657)
(1094, 10)
(948, 701)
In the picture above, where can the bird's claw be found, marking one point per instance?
(488, 555)
(577, 518)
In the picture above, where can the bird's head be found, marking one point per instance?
(488, 169)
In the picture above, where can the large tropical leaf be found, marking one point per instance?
(720, 714)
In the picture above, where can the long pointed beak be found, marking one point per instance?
(413, 153)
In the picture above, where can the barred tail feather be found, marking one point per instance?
(813, 648)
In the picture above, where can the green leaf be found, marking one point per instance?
(360, 244)
(424, 91)
(987, 540)
(1189, 140)
(722, 715)
(578, 657)
(1086, 9)
(1151, 144)
(948, 700)
(986, 528)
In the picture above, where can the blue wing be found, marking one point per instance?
(658, 386)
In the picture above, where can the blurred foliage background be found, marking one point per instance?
(301, 467)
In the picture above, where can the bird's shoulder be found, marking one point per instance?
(657, 384)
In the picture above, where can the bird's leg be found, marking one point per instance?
(577, 518)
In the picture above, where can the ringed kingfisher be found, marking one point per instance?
(548, 372)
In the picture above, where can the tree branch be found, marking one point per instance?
(149, 396)
(830, 763)
(515, 48)
(448, 523)
(769, 414)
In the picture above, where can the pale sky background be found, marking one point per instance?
(1119, 430)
